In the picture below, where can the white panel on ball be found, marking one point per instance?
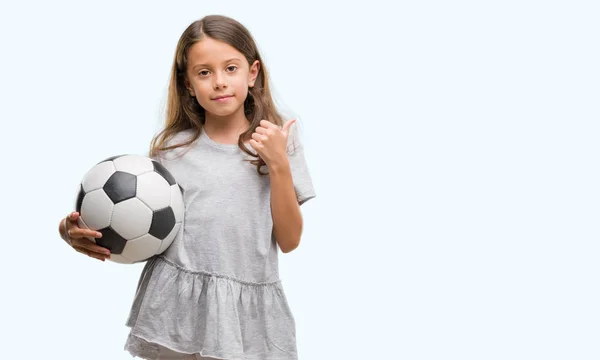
(153, 190)
(177, 202)
(169, 239)
(141, 248)
(97, 176)
(131, 218)
(133, 164)
(101, 208)
(120, 259)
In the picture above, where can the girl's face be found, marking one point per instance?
(218, 76)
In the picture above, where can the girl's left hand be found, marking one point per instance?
(271, 142)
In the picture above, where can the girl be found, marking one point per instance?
(215, 292)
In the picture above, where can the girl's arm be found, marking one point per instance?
(285, 210)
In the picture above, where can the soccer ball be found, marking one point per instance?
(135, 203)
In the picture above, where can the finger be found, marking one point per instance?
(258, 137)
(261, 130)
(77, 232)
(92, 254)
(90, 246)
(287, 125)
(256, 145)
(264, 131)
(98, 256)
(72, 217)
(91, 250)
(269, 125)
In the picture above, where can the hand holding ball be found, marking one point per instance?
(135, 203)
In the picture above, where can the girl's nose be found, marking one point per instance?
(220, 82)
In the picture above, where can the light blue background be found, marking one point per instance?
(454, 148)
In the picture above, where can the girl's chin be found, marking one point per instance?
(222, 111)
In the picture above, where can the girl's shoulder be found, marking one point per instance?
(179, 138)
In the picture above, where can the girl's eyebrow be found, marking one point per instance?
(226, 61)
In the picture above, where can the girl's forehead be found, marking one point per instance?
(210, 51)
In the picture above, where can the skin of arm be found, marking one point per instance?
(285, 210)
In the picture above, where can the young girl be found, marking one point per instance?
(215, 292)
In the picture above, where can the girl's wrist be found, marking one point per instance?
(281, 166)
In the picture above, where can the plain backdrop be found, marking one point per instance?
(454, 149)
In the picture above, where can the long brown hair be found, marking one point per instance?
(183, 110)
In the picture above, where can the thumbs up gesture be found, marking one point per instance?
(271, 142)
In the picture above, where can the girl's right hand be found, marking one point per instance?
(77, 238)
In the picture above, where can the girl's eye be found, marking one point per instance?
(230, 68)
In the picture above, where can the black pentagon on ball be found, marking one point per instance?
(159, 168)
(111, 240)
(120, 186)
(80, 197)
(163, 221)
(111, 158)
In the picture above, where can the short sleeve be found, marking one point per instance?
(300, 174)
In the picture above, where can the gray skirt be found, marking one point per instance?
(193, 312)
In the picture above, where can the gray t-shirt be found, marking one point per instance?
(216, 290)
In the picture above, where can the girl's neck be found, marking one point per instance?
(226, 129)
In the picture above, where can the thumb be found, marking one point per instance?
(287, 125)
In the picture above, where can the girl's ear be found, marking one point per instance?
(253, 73)
(189, 87)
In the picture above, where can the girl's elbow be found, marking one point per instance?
(289, 248)
(289, 245)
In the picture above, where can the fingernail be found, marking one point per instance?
(99, 234)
